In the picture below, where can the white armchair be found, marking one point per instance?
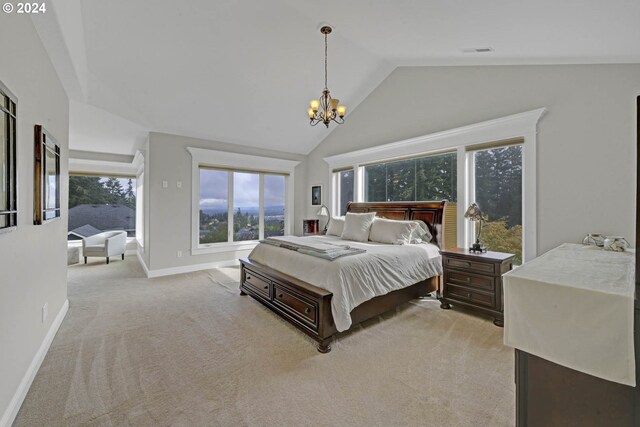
(107, 244)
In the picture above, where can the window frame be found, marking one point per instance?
(235, 162)
(12, 160)
(522, 125)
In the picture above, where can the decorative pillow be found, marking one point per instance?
(421, 233)
(357, 226)
(336, 225)
(392, 231)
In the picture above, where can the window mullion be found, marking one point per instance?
(230, 206)
(261, 208)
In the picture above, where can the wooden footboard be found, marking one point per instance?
(308, 307)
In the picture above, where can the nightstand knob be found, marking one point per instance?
(468, 279)
(280, 296)
(248, 277)
(307, 310)
(266, 287)
(468, 295)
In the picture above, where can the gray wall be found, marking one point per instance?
(169, 209)
(586, 142)
(33, 268)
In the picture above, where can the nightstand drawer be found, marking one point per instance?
(486, 283)
(478, 267)
(257, 283)
(463, 293)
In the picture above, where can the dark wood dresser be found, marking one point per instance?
(474, 281)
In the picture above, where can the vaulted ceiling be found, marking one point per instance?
(243, 71)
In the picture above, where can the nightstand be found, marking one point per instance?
(474, 281)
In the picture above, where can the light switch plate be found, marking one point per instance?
(179, 184)
(165, 184)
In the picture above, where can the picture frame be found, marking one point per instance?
(316, 195)
(46, 177)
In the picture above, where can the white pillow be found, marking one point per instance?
(357, 226)
(336, 226)
(392, 231)
(421, 233)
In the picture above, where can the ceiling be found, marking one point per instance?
(243, 71)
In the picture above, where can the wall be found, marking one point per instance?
(33, 267)
(586, 142)
(169, 209)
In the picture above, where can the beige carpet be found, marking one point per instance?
(188, 350)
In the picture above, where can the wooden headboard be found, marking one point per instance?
(430, 212)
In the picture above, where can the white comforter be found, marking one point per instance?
(355, 279)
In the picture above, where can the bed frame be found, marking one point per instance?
(308, 307)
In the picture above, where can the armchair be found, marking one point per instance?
(106, 244)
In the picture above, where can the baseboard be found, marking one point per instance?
(142, 264)
(16, 402)
(189, 268)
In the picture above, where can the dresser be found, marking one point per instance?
(474, 281)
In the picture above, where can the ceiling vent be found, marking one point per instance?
(478, 50)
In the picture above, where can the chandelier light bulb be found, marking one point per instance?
(314, 104)
(342, 110)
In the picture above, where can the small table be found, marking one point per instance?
(474, 281)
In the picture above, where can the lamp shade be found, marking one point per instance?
(323, 211)
(473, 213)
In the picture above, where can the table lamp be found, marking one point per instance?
(474, 213)
(324, 211)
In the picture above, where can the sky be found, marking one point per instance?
(213, 189)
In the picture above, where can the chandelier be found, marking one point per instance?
(326, 109)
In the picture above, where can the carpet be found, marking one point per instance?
(188, 350)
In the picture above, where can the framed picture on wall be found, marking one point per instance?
(46, 177)
(316, 195)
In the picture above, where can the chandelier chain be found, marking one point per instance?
(325, 61)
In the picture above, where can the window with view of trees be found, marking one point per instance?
(101, 203)
(423, 178)
(233, 213)
(345, 189)
(8, 186)
(498, 191)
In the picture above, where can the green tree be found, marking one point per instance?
(87, 190)
(116, 192)
(129, 195)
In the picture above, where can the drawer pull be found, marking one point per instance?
(307, 310)
(280, 296)
(248, 277)
(468, 279)
(468, 295)
(266, 287)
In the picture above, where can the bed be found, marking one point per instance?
(294, 286)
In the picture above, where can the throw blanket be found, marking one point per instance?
(310, 246)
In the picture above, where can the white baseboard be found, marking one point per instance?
(16, 402)
(142, 263)
(189, 268)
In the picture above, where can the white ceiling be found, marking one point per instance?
(244, 71)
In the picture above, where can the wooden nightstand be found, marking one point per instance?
(474, 281)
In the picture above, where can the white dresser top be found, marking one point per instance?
(574, 306)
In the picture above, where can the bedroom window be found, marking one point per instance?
(237, 206)
(344, 186)
(416, 179)
(496, 183)
(8, 187)
(232, 207)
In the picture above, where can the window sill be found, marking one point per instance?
(224, 247)
(8, 229)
